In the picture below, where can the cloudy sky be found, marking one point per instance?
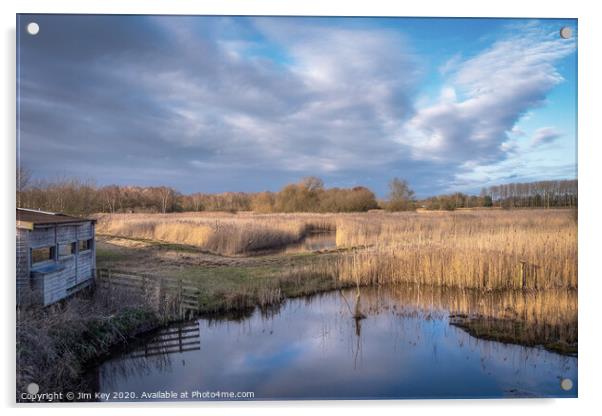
(217, 104)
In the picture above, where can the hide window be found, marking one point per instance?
(39, 255)
(85, 245)
(66, 249)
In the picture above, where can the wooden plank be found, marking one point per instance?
(25, 225)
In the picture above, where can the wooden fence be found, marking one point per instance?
(179, 295)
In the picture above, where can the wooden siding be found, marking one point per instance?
(50, 287)
(85, 231)
(42, 237)
(23, 283)
(66, 234)
(85, 265)
(46, 285)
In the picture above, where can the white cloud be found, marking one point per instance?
(517, 131)
(495, 88)
(545, 135)
(237, 98)
(344, 95)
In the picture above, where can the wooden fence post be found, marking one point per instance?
(523, 273)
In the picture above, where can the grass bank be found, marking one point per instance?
(227, 289)
(56, 345)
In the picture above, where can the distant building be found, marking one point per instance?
(56, 256)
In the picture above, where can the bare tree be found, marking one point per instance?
(23, 178)
(400, 195)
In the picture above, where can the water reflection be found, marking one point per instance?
(178, 338)
(314, 348)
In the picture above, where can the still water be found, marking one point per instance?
(312, 348)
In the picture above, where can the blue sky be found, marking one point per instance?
(214, 104)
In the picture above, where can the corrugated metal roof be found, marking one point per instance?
(34, 217)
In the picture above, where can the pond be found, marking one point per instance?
(313, 348)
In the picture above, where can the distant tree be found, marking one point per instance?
(263, 202)
(165, 198)
(357, 199)
(111, 196)
(291, 199)
(23, 178)
(312, 183)
(301, 197)
(400, 196)
(360, 199)
(196, 202)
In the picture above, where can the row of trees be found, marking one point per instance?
(456, 200)
(80, 197)
(545, 194)
(83, 197)
(542, 194)
(309, 195)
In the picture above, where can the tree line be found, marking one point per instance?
(79, 197)
(541, 194)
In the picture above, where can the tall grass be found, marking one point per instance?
(221, 233)
(469, 249)
(55, 344)
(482, 250)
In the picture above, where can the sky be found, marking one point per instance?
(223, 103)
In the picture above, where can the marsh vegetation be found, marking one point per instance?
(529, 255)
(535, 249)
(505, 276)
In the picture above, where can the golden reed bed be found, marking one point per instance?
(221, 233)
(533, 249)
(482, 249)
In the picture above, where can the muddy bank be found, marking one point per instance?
(516, 332)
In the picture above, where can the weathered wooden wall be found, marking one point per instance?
(23, 284)
(62, 234)
(74, 271)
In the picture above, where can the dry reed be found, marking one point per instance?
(521, 249)
(482, 250)
(225, 234)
